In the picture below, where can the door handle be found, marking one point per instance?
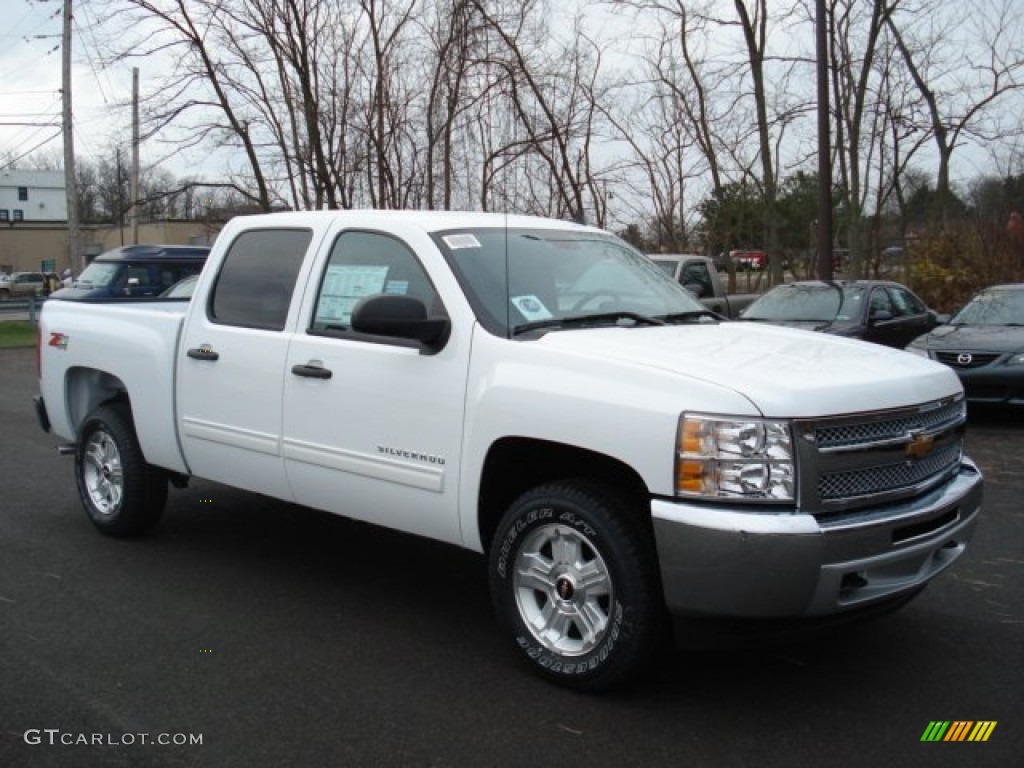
(312, 371)
(203, 353)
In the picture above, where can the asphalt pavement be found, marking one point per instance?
(246, 632)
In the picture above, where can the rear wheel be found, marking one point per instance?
(573, 578)
(121, 493)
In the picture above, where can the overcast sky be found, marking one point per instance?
(30, 99)
(30, 82)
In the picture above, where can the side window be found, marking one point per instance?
(257, 279)
(906, 302)
(366, 264)
(880, 302)
(696, 273)
(141, 274)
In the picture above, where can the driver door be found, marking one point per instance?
(373, 425)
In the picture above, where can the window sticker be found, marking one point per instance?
(531, 308)
(344, 285)
(396, 287)
(456, 242)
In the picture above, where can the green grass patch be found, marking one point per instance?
(17, 333)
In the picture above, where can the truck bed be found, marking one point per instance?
(138, 344)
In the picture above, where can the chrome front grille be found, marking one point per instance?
(884, 429)
(856, 461)
(869, 481)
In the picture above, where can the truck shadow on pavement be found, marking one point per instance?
(429, 603)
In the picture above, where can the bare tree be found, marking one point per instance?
(964, 60)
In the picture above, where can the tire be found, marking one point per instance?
(574, 579)
(121, 493)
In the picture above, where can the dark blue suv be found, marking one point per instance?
(134, 271)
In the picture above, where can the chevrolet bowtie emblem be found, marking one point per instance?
(920, 446)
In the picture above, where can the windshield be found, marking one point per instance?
(808, 303)
(98, 274)
(993, 308)
(520, 279)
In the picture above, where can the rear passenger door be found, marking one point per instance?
(373, 425)
(231, 362)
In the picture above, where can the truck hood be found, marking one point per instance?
(783, 372)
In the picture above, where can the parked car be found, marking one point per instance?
(135, 271)
(700, 276)
(22, 284)
(749, 261)
(984, 344)
(873, 310)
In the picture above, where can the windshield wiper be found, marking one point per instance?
(582, 320)
(693, 314)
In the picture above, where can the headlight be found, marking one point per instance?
(735, 457)
(1017, 359)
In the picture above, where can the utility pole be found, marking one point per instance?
(135, 157)
(75, 258)
(824, 147)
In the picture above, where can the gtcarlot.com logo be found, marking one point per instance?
(958, 730)
(55, 737)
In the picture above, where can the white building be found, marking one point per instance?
(32, 196)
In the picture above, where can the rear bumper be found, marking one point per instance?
(731, 562)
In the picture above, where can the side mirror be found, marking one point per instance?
(400, 317)
(939, 318)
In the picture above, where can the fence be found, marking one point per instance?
(30, 306)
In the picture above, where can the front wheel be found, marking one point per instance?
(121, 493)
(573, 577)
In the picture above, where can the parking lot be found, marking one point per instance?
(281, 636)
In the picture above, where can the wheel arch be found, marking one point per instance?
(85, 389)
(515, 464)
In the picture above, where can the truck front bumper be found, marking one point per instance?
(728, 561)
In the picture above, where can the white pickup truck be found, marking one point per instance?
(534, 390)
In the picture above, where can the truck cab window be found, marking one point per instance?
(257, 278)
(367, 264)
(696, 273)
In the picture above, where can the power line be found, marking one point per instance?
(88, 56)
(28, 152)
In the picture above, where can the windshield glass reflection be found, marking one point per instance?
(519, 279)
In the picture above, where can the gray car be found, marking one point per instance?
(984, 344)
(22, 284)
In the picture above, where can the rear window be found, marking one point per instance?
(256, 280)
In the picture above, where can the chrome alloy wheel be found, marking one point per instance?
(563, 590)
(103, 473)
